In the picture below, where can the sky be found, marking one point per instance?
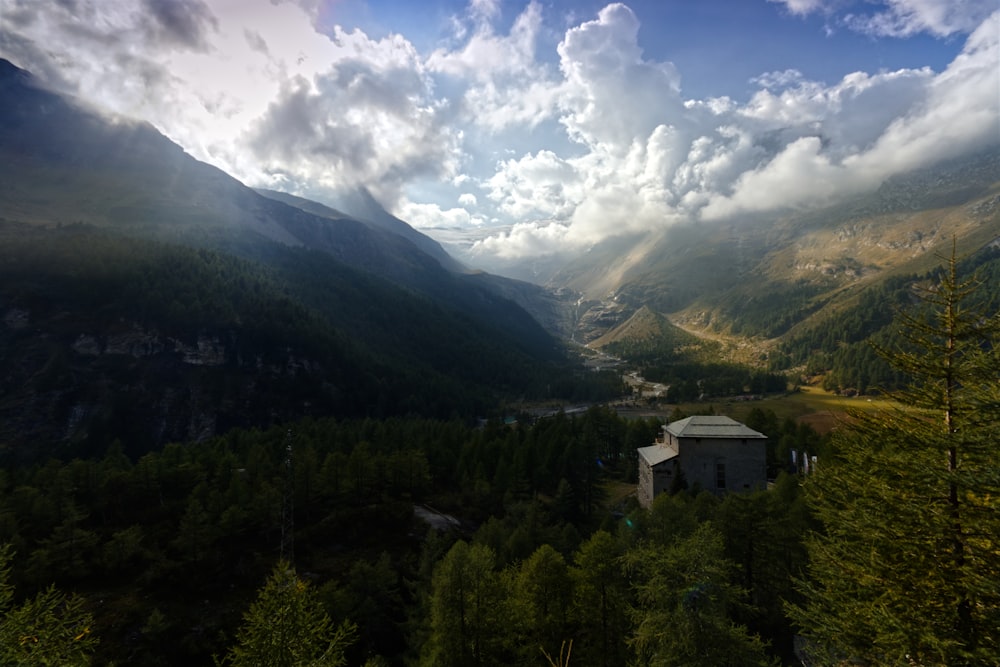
(518, 128)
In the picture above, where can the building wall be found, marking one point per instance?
(654, 480)
(744, 463)
(646, 490)
(663, 476)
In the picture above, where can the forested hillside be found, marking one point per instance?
(169, 549)
(107, 337)
(841, 350)
(798, 290)
(836, 349)
(536, 550)
(153, 298)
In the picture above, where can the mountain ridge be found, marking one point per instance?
(103, 333)
(766, 276)
(149, 185)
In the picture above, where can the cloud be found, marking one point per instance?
(959, 113)
(612, 95)
(526, 239)
(902, 18)
(186, 22)
(794, 143)
(536, 185)
(848, 115)
(802, 7)
(433, 216)
(484, 11)
(800, 174)
(486, 54)
(909, 119)
(252, 87)
(368, 120)
(502, 83)
(543, 151)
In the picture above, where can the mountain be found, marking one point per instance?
(769, 278)
(65, 164)
(544, 305)
(360, 204)
(646, 328)
(800, 295)
(149, 297)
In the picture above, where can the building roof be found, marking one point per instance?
(710, 426)
(656, 454)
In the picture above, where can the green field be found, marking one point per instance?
(821, 409)
(813, 405)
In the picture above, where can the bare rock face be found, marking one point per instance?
(207, 351)
(65, 383)
(137, 342)
(133, 341)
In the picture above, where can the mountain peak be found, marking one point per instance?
(11, 73)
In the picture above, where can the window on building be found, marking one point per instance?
(720, 475)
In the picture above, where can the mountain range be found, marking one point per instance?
(763, 276)
(150, 296)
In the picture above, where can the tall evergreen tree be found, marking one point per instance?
(287, 627)
(600, 593)
(907, 570)
(685, 601)
(48, 629)
(542, 590)
(468, 610)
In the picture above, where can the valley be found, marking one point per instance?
(219, 402)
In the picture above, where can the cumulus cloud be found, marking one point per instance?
(526, 239)
(911, 118)
(802, 7)
(367, 120)
(254, 88)
(77, 46)
(486, 54)
(794, 143)
(959, 111)
(186, 22)
(611, 95)
(544, 152)
(536, 185)
(504, 85)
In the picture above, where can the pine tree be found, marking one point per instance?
(287, 627)
(542, 590)
(468, 609)
(907, 570)
(48, 629)
(600, 593)
(685, 603)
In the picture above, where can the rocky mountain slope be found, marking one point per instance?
(766, 277)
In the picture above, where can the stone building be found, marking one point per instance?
(712, 453)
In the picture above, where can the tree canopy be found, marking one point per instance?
(907, 567)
